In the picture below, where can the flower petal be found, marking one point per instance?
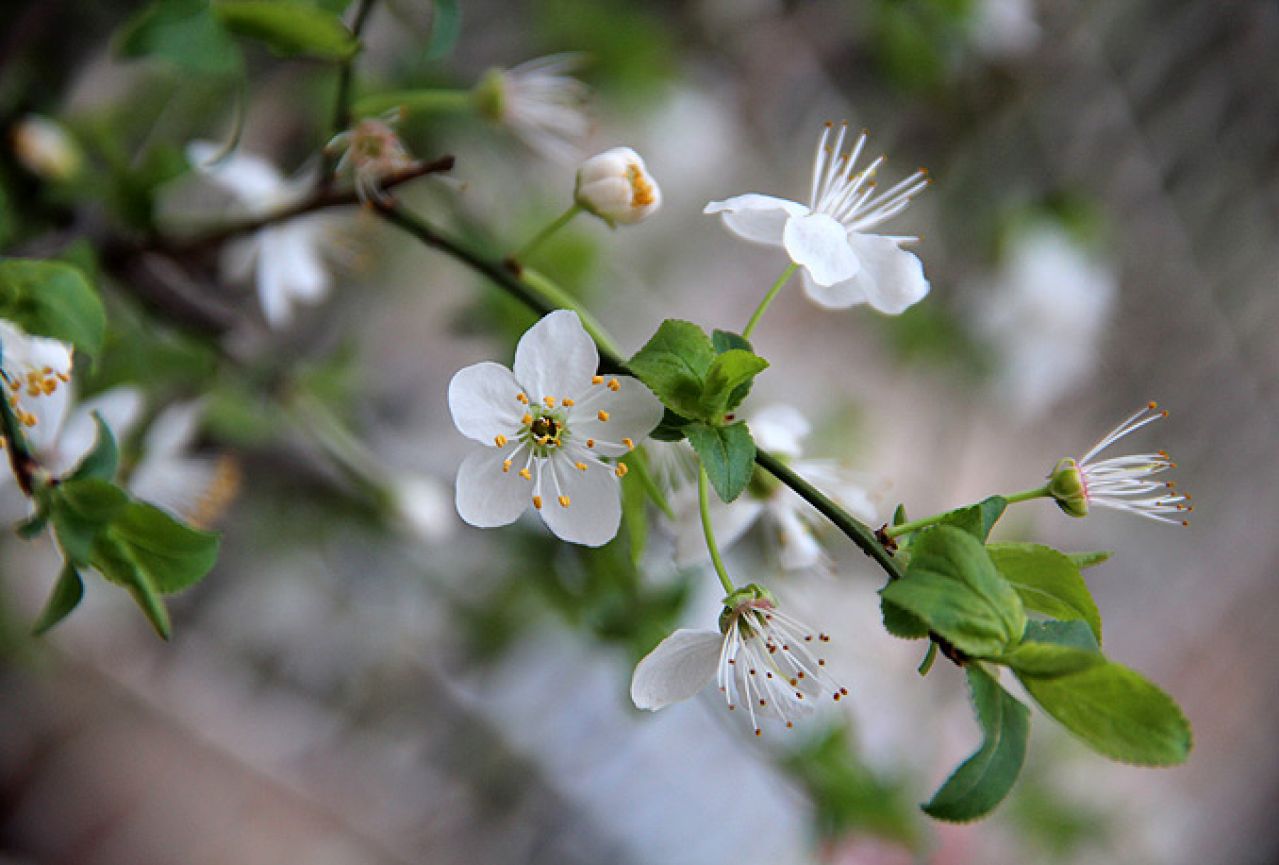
(120, 409)
(556, 357)
(780, 428)
(891, 278)
(250, 178)
(594, 509)
(679, 667)
(632, 412)
(482, 398)
(841, 295)
(487, 496)
(799, 550)
(820, 245)
(760, 218)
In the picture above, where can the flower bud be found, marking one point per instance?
(616, 187)
(45, 149)
(1066, 486)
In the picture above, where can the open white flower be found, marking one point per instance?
(35, 368)
(1121, 483)
(284, 261)
(1045, 313)
(540, 102)
(615, 186)
(761, 659)
(831, 237)
(553, 430)
(192, 487)
(371, 152)
(780, 429)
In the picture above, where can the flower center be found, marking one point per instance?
(545, 430)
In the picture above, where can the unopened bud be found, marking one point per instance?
(1066, 486)
(46, 149)
(616, 187)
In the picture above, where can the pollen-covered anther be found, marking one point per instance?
(597, 379)
(522, 397)
(630, 443)
(499, 440)
(537, 502)
(590, 443)
(564, 501)
(580, 466)
(614, 385)
(526, 474)
(549, 401)
(527, 420)
(568, 402)
(621, 470)
(602, 415)
(506, 466)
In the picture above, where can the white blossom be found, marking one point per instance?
(780, 429)
(761, 659)
(615, 186)
(843, 263)
(553, 431)
(1121, 483)
(540, 102)
(371, 152)
(192, 487)
(35, 368)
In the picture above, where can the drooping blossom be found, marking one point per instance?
(553, 432)
(615, 186)
(843, 260)
(539, 101)
(761, 659)
(371, 152)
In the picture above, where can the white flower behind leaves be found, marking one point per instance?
(539, 101)
(780, 429)
(762, 660)
(170, 475)
(844, 263)
(284, 261)
(553, 431)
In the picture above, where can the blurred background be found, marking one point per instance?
(363, 679)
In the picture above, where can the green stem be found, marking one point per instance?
(561, 299)
(704, 505)
(542, 236)
(768, 299)
(927, 664)
(342, 103)
(924, 522)
(1027, 495)
(414, 102)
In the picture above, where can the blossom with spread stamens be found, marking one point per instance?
(35, 368)
(554, 431)
(843, 262)
(1121, 483)
(615, 186)
(761, 659)
(540, 102)
(371, 151)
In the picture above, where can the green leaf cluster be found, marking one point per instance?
(52, 299)
(701, 380)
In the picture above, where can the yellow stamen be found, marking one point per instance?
(549, 400)
(564, 501)
(590, 443)
(523, 398)
(499, 440)
(630, 444)
(597, 379)
(581, 467)
(641, 189)
(621, 470)
(526, 474)
(568, 401)
(537, 502)
(602, 415)
(614, 385)
(527, 419)
(506, 466)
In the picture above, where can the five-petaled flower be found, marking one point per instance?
(1121, 483)
(843, 263)
(554, 431)
(762, 660)
(615, 186)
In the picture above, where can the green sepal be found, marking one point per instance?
(290, 28)
(728, 455)
(952, 585)
(52, 299)
(1048, 582)
(983, 780)
(103, 460)
(64, 598)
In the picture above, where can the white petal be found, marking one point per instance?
(820, 245)
(556, 357)
(301, 247)
(728, 520)
(174, 429)
(679, 667)
(289, 270)
(50, 412)
(841, 295)
(891, 278)
(632, 413)
(272, 285)
(238, 259)
(421, 503)
(178, 485)
(250, 178)
(119, 407)
(486, 495)
(594, 511)
(780, 428)
(760, 218)
(799, 549)
(482, 398)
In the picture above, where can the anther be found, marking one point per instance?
(630, 443)
(614, 385)
(602, 415)
(597, 379)
(568, 402)
(590, 443)
(527, 420)
(621, 470)
(549, 400)
(758, 731)
(581, 467)
(564, 501)
(506, 466)
(523, 398)
(499, 440)
(1152, 405)
(763, 702)
(526, 474)
(537, 502)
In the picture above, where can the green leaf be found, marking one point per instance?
(1047, 581)
(446, 24)
(976, 519)
(290, 28)
(728, 455)
(185, 33)
(902, 623)
(725, 341)
(728, 381)
(102, 461)
(674, 364)
(49, 298)
(111, 559)
(1054, 649)
(173, 555)
(1117, 712)
(64, 598)
(1089, 560)
(952, 585)
(983, 780)
(79, 510)
(670, 428)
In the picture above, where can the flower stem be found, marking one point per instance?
(925, 522)
(1027, 495)
(704, 506)
(768, 299)
(342, 102)
(415, 102)
(542, 236)
(558, 298)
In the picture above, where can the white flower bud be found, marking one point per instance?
(45, 149)
(616, 186)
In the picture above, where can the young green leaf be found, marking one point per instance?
(983, 780)
(173, 555)
(725, 341)
(102, 461)
(290, 28)
(674, 364)
(952, 586)
(64, 598)
(728, 455)
(902, 623)
(1047, 581)
(977, 519)
(185, 33)
(52, 299)
(728, 381)
(111, 559)
(79, 509)
(1054, 649)
(446, 24)
(1117, 712)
